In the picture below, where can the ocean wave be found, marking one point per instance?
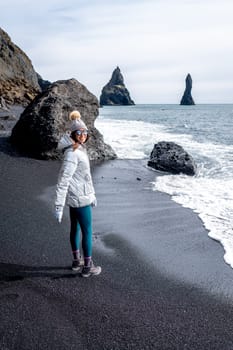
(210, 198)
(210, 192)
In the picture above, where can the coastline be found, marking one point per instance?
(204, 133)
(170, 238)
(164, 283)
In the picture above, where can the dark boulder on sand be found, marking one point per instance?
(45, 120)
(187, 97)
(170, 157)
(115, 92)
(18, 79)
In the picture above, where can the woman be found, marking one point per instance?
(75, 185)
(66, 140)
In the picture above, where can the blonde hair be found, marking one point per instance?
(75, 115)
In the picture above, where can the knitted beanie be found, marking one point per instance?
(76, 122)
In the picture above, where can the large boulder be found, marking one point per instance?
(115, 92)
(18, 79)
(172, 158)
(45, 120)
(187, 99)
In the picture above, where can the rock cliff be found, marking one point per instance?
(115, 92)
(45, 120)
(187, 97)
(18, 79)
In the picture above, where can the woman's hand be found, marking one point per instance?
(94, 203)
(58, 213)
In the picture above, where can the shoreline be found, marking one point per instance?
(180, 247)
(164, 284)
(210, 192)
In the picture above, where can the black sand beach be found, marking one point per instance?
(164, 284)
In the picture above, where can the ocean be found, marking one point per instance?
(206, 133)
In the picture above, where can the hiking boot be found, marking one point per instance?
(77, 264)
(88, 271)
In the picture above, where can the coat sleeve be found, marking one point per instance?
(66, 173)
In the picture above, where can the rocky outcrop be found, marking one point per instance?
(115, 92)
(18, 79)
(45, 120)
(172, 158)
(44, 84)
(187, 97)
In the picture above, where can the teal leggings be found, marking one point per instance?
(81, 219)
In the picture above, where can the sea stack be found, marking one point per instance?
(187, 99)
(115, 92)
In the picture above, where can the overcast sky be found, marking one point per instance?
(156, 43)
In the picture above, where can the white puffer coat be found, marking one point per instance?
(74, 181)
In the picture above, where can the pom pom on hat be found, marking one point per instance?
(76, 122)
(75, 115)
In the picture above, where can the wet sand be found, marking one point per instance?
(164, 283)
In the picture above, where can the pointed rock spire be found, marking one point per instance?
(187, 97)
(115, 92)
(117, 77)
